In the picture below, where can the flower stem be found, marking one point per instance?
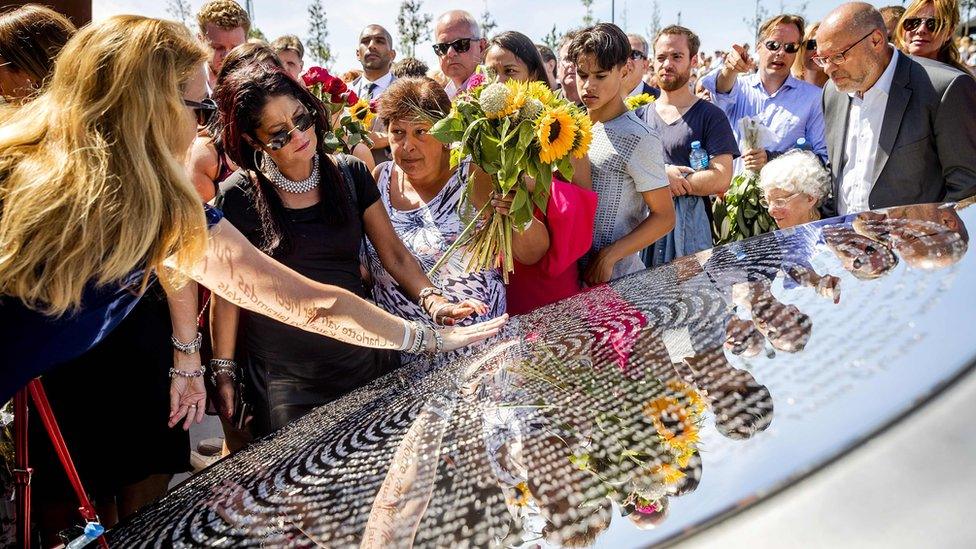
(459, 241)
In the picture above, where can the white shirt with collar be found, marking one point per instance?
(861, 142)
(382, 83)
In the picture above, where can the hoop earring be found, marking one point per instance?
(257, 161)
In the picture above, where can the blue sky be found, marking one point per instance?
(718, 22)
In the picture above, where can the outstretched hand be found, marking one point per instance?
(457, 337)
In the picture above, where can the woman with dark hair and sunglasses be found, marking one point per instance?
(926, 30)
(571, 209)
(310, 211)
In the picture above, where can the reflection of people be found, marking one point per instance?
(794, 185)
(861, 256)
(927, 236)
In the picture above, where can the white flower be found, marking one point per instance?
(494, 99)
(531, 109)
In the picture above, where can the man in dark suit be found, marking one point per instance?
(900, 130)
(633, 84)
(376, 54)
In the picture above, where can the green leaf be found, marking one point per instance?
(565, 168)
(540, 195)
(447, 130)
(354, 139)
(526, 134)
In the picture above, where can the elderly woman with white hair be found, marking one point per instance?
(793, 186)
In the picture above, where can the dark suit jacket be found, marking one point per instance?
(927, 147)
(651, 90)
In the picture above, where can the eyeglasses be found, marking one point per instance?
(281, 138)
(839, 57)
(204, 110)
(811, 45)
(778, 202)
(460, 45)
(773, 45)
(637, 54)
(913, 23)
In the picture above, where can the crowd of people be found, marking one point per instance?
(131, 150)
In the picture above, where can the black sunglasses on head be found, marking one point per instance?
(913, 23)
(281, 138)
(460, 45)
(204, 110)
(637, 54)
(773, 45)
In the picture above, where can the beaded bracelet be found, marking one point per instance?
(187, 348)
(173, 372)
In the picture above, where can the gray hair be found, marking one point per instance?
(644, 45)
(460, 16)
(796, 171)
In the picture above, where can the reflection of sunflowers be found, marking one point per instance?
(556, 132)
(676, 424)
(362, 113)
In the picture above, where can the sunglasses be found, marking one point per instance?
(637, 54)
(460, 45)
(913, 23)
(204, 110)
(773, 45)
(281, 138)
(811, 44)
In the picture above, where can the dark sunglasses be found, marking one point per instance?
(281, 138)
(204, 110)
(637, 54)
(913, 23)
(811, 44)
(773, 45)
(460, 45)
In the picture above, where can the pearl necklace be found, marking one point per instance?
(278, 179)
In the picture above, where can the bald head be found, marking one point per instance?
(377, 29)
(854, 40)
(459, 18)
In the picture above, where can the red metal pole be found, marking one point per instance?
(22, 473)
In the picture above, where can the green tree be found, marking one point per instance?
(317, 44)
(413, 25)
(552, 40)
(181, 11)
(588, 16)
(256, 33)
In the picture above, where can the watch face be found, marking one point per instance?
(631, 414)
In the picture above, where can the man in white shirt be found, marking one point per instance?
(900, 130)
(376, 54)
(459, 47)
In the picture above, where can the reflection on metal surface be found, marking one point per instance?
(625, 416)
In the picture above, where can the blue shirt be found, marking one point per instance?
(794, 111)
(33, 342)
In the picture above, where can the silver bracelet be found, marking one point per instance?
(418, 339)
(187, 348)
(427, 292)
(437, 311)
(438, 343)
(173, 372)
(222, 366)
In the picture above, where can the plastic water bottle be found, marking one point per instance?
(802, 144)
(699, 157)
(92, 531)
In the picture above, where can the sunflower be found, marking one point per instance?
(556, 132)
(638, 101)
(584, 134)
(516, 97)
(362, 113)
(541, 91)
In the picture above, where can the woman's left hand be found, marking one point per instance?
(502, 204)
(187, 395)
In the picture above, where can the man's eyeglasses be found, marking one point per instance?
(204, 110)
(773, 45)
(637, 54)
(281, 138)
(913, 23)
(839, 57)
(460, 45)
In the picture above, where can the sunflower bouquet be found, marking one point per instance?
(637, 101)
(357, 114)
(511, 130)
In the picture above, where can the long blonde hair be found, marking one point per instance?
(92, 184)
(946, 21)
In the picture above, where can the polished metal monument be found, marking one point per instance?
(632, 414)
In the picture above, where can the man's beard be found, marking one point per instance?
(670, 86)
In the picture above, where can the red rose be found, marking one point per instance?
(351, 98)
(373, 105)
(316, 75)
